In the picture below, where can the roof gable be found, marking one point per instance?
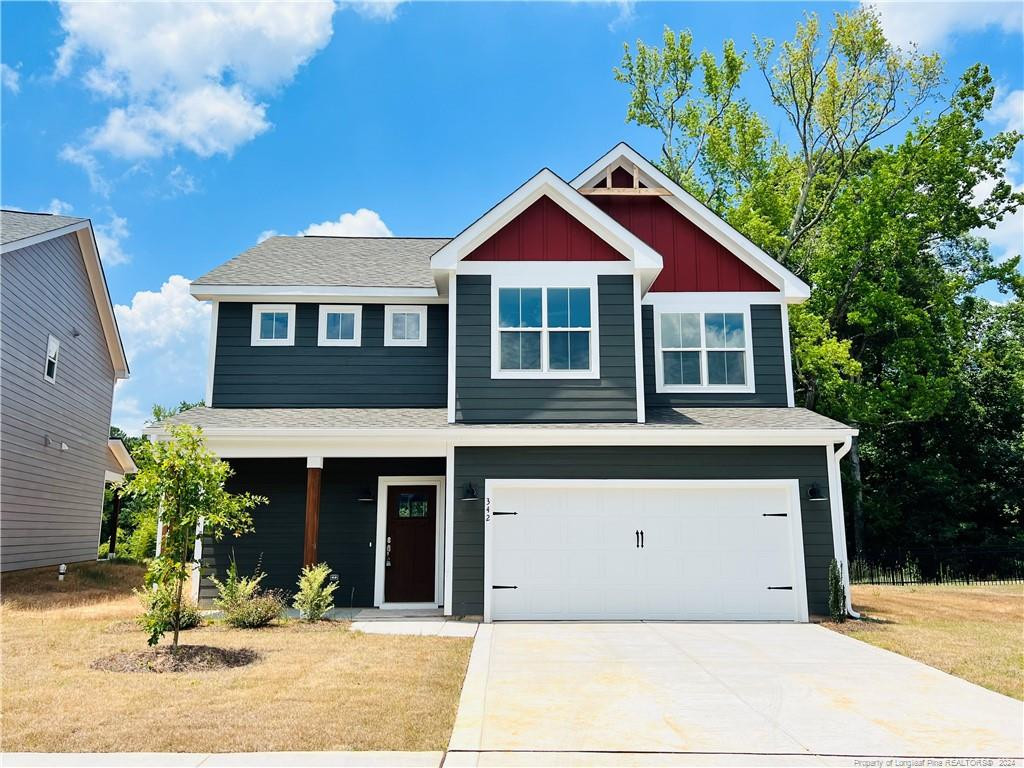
(794, 289)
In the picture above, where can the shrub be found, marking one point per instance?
(158, 611)
(141, 545)
(243, 602)
(103, 550)
(836, 592)
(315, 597)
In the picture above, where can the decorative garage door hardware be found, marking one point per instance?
(504, 586)
(789, 588)
(504, 513)
(775, 514)
(639, 539)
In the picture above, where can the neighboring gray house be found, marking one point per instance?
(60, 355)
(581, 407)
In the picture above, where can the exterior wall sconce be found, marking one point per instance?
(814, 493)
(469, 493)
(366, 495)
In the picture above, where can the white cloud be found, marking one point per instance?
(90, 165)
(110, 239)
(376, 10)
(932, 25)
(181, 181)
(59, 207)
(165, 335)
(185, 76)
(625, 17)
(10, 78)
(1008, 110)
(362, 223)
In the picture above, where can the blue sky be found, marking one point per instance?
(184, 133)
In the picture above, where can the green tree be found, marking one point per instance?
(184, 480)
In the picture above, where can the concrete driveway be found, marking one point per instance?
(690, 694)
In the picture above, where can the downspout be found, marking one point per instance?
(839, 524)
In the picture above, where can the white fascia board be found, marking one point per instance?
(334, 294)
(121, 456)
(795, 289)
(101, 297)
(546, 182)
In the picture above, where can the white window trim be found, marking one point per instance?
(357, 325)
(702, 308)
(257, 309)
(56, 358)
(580, 280)
(390, 310)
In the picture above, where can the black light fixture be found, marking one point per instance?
(814, 493)
(366, 495)
(469, 492)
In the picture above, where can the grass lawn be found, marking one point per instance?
(974, 632)
(318, 687)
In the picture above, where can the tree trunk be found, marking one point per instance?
(177, 611)
(115, 520)
(858, 500)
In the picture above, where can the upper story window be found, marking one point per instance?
(703, 351)
(544, 333)
(340, 325)
(405, 326)
(52, 355)
(273, 325)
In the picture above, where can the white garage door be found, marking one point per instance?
(668, 550)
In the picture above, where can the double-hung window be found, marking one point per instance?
(273, 325)
(703, 350)
(340, 325)
(544, 333)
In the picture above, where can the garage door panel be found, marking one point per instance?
(710, 551)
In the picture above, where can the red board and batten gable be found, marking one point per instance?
(544, 232)
(693, 260)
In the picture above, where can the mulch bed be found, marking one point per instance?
(187, 658)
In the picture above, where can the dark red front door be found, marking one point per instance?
(409, 568)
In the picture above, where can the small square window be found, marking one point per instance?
(52, 355)
(340, 325)
(405, 326)
(273, 325)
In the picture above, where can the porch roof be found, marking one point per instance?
(319, 420)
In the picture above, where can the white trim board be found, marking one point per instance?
(792, 486)
(795, 289)
(440, 516)
(329, 294)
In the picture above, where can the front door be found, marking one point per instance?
(409, 567)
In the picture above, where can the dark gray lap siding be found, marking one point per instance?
(474, 465)
(479, 398)
(769, 365)
(307, 375)
(348, 527)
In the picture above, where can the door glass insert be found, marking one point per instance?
(412, 505)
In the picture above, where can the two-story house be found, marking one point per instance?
(60, 357)
(581, 407)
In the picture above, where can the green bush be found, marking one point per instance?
(836, 592)
(243, 602)
(103, 550)
(158, 611)
(315, 596)
(141, 545)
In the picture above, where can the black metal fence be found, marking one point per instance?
(941, 565)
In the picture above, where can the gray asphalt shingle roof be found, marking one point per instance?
(437, 418)
(363, 262)
(18, 225)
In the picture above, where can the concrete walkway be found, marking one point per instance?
(713, 694)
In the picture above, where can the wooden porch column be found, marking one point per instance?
(314, 468)
(114, 515)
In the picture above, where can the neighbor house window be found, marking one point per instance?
(340, 325)
(699, 350)
(273, 325)
(544, 332)
(405, 326)
(52, 354)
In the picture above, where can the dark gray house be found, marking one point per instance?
(581, 407)
(60, 355)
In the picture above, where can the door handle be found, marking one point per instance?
(637, 534)
(641, 539)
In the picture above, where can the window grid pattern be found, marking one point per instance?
(702, 349)
(528, 343)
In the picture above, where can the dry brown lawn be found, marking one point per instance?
(973, 632)
(317, 687)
